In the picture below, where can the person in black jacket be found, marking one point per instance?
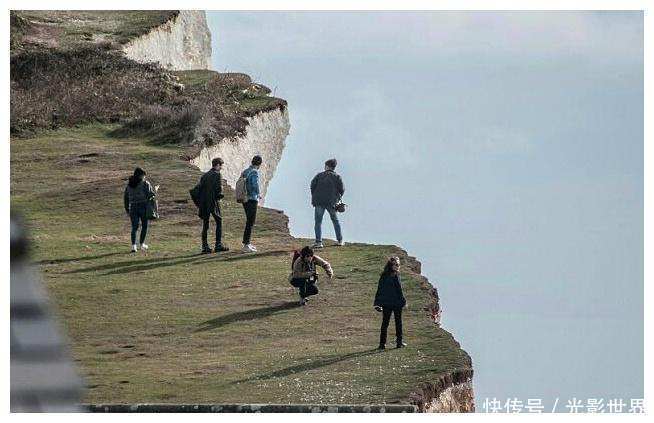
(390, 300)
(135, 198)
(210, 194)
(326, 191)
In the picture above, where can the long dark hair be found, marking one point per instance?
(388, 268)
(138, 176)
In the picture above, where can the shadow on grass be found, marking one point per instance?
(250, 256)
(83, 258)
(241, 316)
(139, 265)
(161, 263)
(126, 264)
(143, 265)
(311, 365)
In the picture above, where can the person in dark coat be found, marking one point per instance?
(135, 198)
(326, 191)
(389, 299)
(210, 194)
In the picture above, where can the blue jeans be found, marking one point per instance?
(136, 214)
(319, 212)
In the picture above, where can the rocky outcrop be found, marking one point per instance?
(450, 393)
(265, 135)
(433, 307)
(457, 398)
(182, 43)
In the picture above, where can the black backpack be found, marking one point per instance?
(195, 195)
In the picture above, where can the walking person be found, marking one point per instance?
(326, 191)
(135, 198)
(304, 275)
(210, 193)
(389, 299)
(251, 175)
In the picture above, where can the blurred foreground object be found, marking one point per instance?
(43, 377)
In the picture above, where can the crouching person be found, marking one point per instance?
(390, 300)
(304, 276)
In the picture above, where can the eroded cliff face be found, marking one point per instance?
(449, 393)
(457, 398)
(265, 135)
(182, 43)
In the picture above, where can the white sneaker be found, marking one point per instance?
(253, 247)
(144, 247)
(135, 248)
(317, 245)
(341, 243)
(247, 248)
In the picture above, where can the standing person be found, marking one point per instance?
(137, 193)
(326, 191)
(251, 175)
(390, 300)
(210, 194)
(303, 274)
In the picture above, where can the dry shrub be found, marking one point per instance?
(63, 88)
(53, 88)
(164, 124)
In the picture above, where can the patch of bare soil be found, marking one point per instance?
(43, 34)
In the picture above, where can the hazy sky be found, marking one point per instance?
(504, 149)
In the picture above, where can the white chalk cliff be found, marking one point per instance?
(182, 43)
(265, 135)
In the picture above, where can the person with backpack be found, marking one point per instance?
(135, 199)
(303, 272)
(247, 192)
(326, 191)
(209, 193)
(389, 299)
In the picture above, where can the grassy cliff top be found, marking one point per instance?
(70, 28)
(173, 326)
(52, 88)
(245, 97)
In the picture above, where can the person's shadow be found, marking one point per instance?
(241, 316)
(310, 365)
(81, 258)
(139, 264)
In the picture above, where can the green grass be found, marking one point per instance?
(71, 27)
(174, 326)
(196, 78)
(246, 97)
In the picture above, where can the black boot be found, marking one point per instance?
(220, 248)
(206, 249)
(381, 347)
